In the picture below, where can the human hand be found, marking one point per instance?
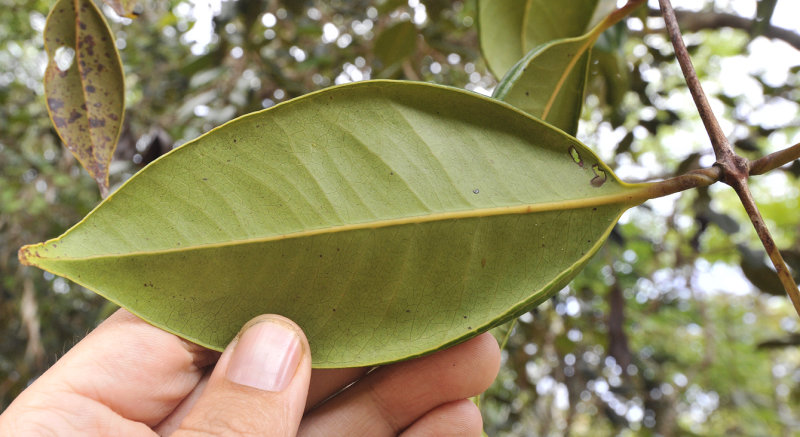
(128, 378)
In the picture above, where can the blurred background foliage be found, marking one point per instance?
(677, 327)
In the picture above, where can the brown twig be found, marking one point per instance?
(617, 15)
(743, 191)
(774, 160)
(734, 169)
(694, 21)
(719, 141)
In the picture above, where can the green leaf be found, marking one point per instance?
(396, 43)
(125, 8)
(389, 219)
(84, 84)
(549, 82)
(509, 29)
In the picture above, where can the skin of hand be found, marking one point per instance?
(128, 378)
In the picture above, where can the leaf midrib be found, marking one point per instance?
(632, 196)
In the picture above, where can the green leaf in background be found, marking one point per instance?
(549, 82)
(396, 43)
(389, 219)
(508, 29)
(610, 64)
(124, 8)
(84, 84)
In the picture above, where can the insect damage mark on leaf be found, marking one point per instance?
(599, 176)
(573, 153)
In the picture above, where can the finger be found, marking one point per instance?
(393, 397)
(125, 367)
(458, 419)
(173, 421)
(324, 383)
(259, 385)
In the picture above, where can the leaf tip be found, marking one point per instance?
(26, 253)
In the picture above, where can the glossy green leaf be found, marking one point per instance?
(84, 84)
(389, 219)
(508, 29)
(396, 43)
(125, 8)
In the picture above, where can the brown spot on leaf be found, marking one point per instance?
(89, 41)
(74, 116)
(97, 122)
(90, 88)
(55, 104)
(483, 262)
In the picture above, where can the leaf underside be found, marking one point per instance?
(84, 84)
(389, 219)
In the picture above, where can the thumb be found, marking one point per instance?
(258, 386)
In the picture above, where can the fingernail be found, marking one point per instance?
(265, 357)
